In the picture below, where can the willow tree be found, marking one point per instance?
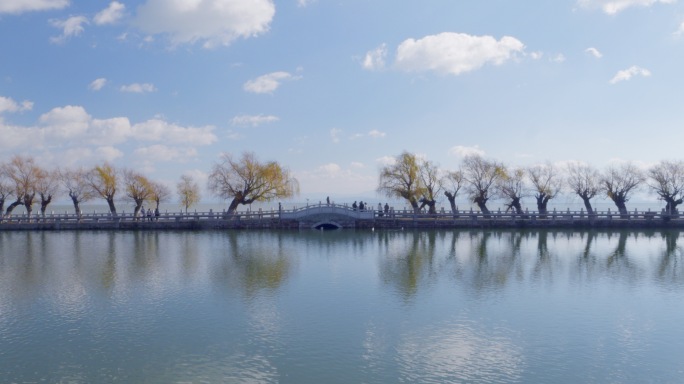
(138, 189)
(6, 189)
(403, 180)
(47, 187)
(431, 182)
(160, 194)
(547, 183)
(666, 179)
(481, 176)
(188, 192)
(75, 184)
(511, 186)
(24, 175)
(585, 182)
(452, 183)
(104, 180)
(246, 180)
(620, 182)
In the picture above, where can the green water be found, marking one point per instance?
(341, 307)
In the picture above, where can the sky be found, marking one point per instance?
(334, 90)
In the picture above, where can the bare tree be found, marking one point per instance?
(24, 174)
(620, 182)
(138, 189)
(585, 181)
(160, 194)
(188, 192)
(246, 180)
(104, 180)
(666, 179)
(480, 176)
(547, 183)
(511, 186)
(76, 185)
(403, 180)
(452, 184)
(47, 187)
(432, 185)
(6, 188)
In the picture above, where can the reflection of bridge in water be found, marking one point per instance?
(331, 216)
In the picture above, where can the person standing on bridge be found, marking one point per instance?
(354, 206)
(327, 200)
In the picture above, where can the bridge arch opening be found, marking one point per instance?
(326, 226)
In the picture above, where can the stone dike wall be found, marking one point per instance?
(377, 223)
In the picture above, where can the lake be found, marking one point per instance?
(342, 307)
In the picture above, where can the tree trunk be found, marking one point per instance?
(482, 204)
(542, 201)
(112, 208)
(44, 202)
(515, 204)
(2, 204)
(587, 205)
(671, 205)
(620, 203)
(28, 204)
(11, 207)
(233, 205)
(77, 208)
(452, 202)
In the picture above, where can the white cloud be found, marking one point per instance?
(462, 151)
(138, 88)
(357, 165)
(612, 7)
(376, 134)
(97, 84)
(594, 52)
(536, 55)
(559, 58)
(268, 83)
(335, 135)
(66, 122)
(253, 120)
(108, 153)
(111, 14)
(160, 130)
(304, 3)
(375, 59)
(330, 169)
(455, 53)
(19, 6)
(9, 105)
(628, 73)
(70, 27)
(160, 152)
(210, 22)
(386, 160)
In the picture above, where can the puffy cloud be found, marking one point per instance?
(9, 105)
(252, 120)
(70, 27)
(97, 84)
(612, 7)
(20, 6)
(211, 22)
(110, 15)
(268, 83)
(455, 53)
(462, 151)
(375, 59)
(386, 160)
(358, 165)
(160, 152)
(628, 73)
(108, 153)
(559, 58)
(66, 122)
(376, 134)
(138, 88)
(160, 130)
(594, 52)
(304, 3)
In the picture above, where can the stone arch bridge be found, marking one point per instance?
(331, 216)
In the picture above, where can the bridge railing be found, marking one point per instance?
(311, 210)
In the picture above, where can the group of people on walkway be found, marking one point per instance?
(151, 216)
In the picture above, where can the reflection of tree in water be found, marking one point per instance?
(255, 261)
(618, 262)
(544, 267)
(408, 260)
(587, 264)
(494, 266)
(670, 269)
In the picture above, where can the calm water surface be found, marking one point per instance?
(342, 307)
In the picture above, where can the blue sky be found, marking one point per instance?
(333, 89)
